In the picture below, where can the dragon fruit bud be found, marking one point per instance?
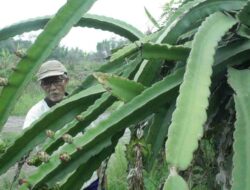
(79, 118)
(65, 157)
(33, 161)
(43, 156)
(50, 133)
(67, 138)
(22, 181)
(78, 148)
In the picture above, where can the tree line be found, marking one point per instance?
(11, 50)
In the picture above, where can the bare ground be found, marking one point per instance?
(14, 124)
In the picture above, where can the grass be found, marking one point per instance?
(31, 95)
(117, 165)
(7, 178)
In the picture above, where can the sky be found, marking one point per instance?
(130, 11)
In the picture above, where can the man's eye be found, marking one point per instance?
(46, 82)
(58, 81)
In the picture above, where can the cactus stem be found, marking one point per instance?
(3, 81)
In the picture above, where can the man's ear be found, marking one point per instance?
(66, 80)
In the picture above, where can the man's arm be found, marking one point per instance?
(29, 119)
(35, 112)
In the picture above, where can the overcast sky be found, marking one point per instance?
(130, 11)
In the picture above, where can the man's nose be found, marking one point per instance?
(52, 86)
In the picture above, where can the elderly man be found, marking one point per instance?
(53, 79)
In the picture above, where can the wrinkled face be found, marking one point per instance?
(54, 87)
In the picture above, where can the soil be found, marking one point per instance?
(14, 124)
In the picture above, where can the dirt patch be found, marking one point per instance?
(14, 124)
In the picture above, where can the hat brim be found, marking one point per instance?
(50, 74)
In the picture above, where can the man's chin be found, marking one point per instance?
(55, 98)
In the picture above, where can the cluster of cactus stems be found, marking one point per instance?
(197, 46)
(43, 157)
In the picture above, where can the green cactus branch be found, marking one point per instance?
(63, 162)
(239, 80)
(164, 51)
(142, 105)
(126, 51)
(78, 125)
(200, 10)
(53, 120)
(88, 20)
(244, 14)
(233, 54)
(72, 127)
(184, 8)
(244, 31)
(131, 48)
(119, 67)
(113, 25)
(77, 179)
(231, 50)
(54, 31)
(186, 129)
(174, 181)
(149, 68)
(122, 88)
(158, 132)
(164, 79)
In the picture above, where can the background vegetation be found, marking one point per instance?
(181, 93)
(78, 63)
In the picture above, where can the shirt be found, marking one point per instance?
(34, 113)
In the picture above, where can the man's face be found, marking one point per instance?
(54, 87)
